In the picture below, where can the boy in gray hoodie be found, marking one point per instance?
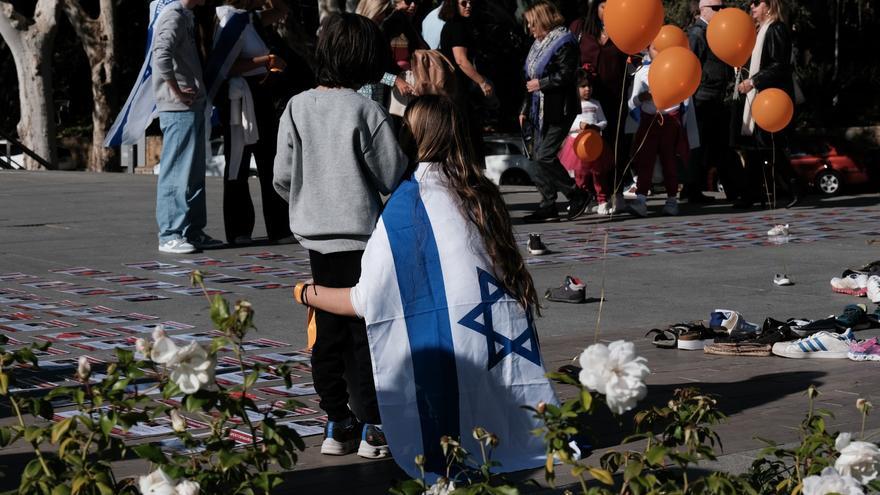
(180, 95)
(337, 154)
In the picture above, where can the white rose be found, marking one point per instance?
(861, 460)
(830, 481)
(84, 368)
(615, 372)
(443, 486)
(164, 351)
(156, 483)
(142, 346)
(177, 421)
(192, 368)
(159, 332)
(187, 487)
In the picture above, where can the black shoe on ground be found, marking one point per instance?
(543, 214)
(743, 204)
(341, 437)
(571, 291)
(578, 205)
(536, 246)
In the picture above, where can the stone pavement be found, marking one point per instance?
(656, 271)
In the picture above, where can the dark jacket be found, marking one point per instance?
(776, 69)
(559, 86)
(716, 74)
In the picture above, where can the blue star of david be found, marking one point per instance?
(491, 292)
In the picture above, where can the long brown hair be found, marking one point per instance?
(440, 137)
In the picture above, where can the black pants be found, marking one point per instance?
(341, 351)
(238, 208)
(712, 122)
(550, 176)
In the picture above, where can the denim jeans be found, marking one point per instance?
(180, 195)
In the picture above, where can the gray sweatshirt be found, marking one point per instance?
(337, 154)
(175, 57)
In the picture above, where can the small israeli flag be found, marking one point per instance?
(451, 349)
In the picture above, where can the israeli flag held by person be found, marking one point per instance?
(451, 349)
(140, 107)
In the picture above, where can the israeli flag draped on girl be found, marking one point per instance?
(451, 349)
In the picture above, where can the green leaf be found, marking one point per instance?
(251, 379)
(32, 470)
(60, 428)
(655, 455)
(61, 490)
(150, 452)
(107, 424)
(586, 399)
(632, 470)
(4, 383)
(601, 475)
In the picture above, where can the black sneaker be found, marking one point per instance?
(571, 291)
(341, 437)
(780, 333)
(536, 246)
(854, 316)
(373, 444)
(578, 205)
(543, 214)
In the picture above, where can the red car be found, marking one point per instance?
(819, 163)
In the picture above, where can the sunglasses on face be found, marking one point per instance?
(465, 3)
(755, 3)
(409, 2)
(716, 8)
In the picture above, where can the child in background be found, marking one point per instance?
(337, 154)
(661, 136)
(588, 175)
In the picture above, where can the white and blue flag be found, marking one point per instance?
(451, 349)
(140, 107)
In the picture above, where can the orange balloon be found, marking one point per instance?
(731, 36)
(632, 24)
(669, 36)
(772, 109)
(588, 145)
(674, 76)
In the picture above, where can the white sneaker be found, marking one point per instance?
(630, 191)
(854, 284)
(782, 279)
(671, 207)
(176, 246)
(778, 230)
(604, 209)
(639, 206)
(820, 345)
(872, 289)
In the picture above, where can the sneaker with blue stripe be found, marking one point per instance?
(820, 345)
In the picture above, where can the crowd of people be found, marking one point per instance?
(330, 156)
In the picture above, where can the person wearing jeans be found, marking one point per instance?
(179, 90)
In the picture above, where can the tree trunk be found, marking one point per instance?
(31, 42)
(97, 40)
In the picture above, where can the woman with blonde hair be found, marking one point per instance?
(769, 67)
(550, 107)
(442, 285)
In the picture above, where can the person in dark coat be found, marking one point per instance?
(711, 111)
(769, 67)
(550, 108)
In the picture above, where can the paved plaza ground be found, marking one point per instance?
(657, 271)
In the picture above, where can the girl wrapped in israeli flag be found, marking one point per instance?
(448, 305)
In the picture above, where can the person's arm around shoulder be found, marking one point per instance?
(287, 155)
(384, 158)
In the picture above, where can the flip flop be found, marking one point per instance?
(666, 338)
